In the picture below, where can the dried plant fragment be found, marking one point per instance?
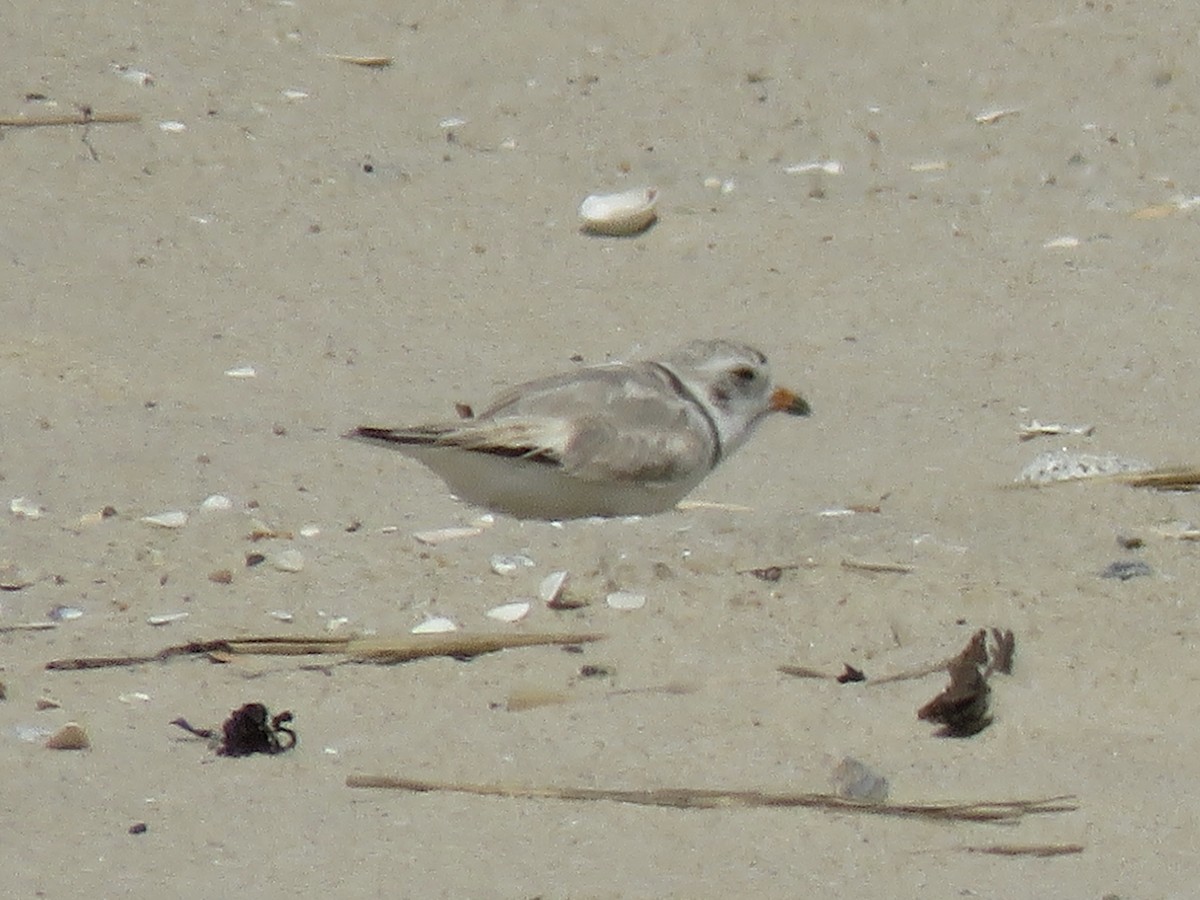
(851, 675)
(962, 708)
(248, 730)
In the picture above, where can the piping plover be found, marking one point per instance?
(610, 440)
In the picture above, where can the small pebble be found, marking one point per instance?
(70, 737)
(242, 372)
(216, 502)
(310, 531)
(282, 615)
(138, 828)
(221, 576)
(853, 780)
(1126, 569)
(44, 703)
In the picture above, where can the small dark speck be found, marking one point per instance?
(138, 828)
(1126, 569)
(368, 167)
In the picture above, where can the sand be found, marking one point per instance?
(322, 223)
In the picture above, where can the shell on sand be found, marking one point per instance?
(70, 737)
(626, 213)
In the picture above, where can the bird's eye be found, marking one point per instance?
(744, 374)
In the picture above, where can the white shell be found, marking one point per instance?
(1063, 242)
(70, 737)
(625, 600)
(242, 372)
(166, 618)
(441, 535)
(174, 519)
(628, 212)
(281, 615)
(1064, 465)
(828, 166)
(289, 560)
(510, 612)
(552, 587)
(436, 625)
(24, 509)
(507, 563)
(217, 502)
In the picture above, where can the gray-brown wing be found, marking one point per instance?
(626, 423)
(609, 423)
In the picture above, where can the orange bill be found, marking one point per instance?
(783, 400)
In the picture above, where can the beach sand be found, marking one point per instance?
(378, 244)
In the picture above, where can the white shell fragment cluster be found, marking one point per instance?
(619, 215)
(1064, 465)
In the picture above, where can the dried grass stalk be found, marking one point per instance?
(694, 798)
(375, 650)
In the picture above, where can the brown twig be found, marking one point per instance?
(876, 568)
(1038, 850)
(375, 650)
(692, 798)
(83, 117)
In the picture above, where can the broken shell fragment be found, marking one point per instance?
(854, 780)
(24, 509)
(290, 560)
(510, 612)
(617, 215)
(216, 502)
(435, 625)
(70, 737)
(166, 618)
(441, 535)
(13, 578)
(551, 589)
(174, 519)
(1064, 465)
(507, 563)
(625, 600)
